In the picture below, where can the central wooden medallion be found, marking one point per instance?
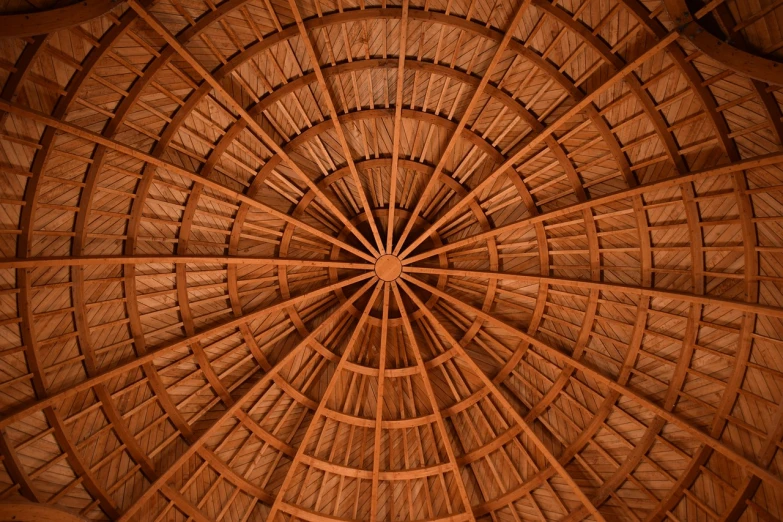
(388, 267)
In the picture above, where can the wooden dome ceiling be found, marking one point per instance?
(439, 260)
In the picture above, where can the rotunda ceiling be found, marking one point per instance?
(433, 260)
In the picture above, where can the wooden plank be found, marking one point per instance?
(588, 369)
(300, 452)
(19, 413)
(134, 153)
(251, 122)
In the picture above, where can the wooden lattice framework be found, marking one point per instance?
(440, 260)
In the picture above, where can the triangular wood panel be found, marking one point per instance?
(431, 260)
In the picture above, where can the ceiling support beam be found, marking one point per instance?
(265, 138)
(376, 450)
(279, 499)
(541, 137)
(398, 102)
(40, 404)
(45, 262)
(588, 369)
(439, 419)
(234, 408)
(494, 390)
(519, 12)
(304, 35)
(114, 145)
(759, 161)
(743, 306)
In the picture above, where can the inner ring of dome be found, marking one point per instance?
(388, 267)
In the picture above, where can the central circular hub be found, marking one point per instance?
(388, 267)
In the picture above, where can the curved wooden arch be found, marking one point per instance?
(32, 512)
(737, 59)
(20, 25)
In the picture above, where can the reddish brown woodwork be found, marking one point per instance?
(348, 260)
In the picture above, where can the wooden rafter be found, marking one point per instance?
(770, 159)
(347, 352)
(716, 444)
(433, 401)
(130, 151)
(567, 116)
(237, 107)
(518, 13)
(230, 411)
(398, 103)
(486, 381)
(105, 376)
(314, 60)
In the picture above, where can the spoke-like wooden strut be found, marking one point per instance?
(20, 413)
(771, 311)
(135, 153)
(760, 161)
(398, 102)
(251, 122)
(349, 347)
(382, 354)
(443, 432)
(537, 139)
(40, 262)
(519, 12)
(588, 369)
(488, 383)
(235, 408)
(338, 128)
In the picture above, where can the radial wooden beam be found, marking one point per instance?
(568, 361)
(398, 103)
(231, 410)
(237, 107)
(738, 60)
(376, 450)
(279, 499)
(439, 420)
(135, 153)
(756, 308)
(519, 12)
(18, 414)
(495, 391)
(41, 262)
(539, 138)
(304, 35)
(750, 163)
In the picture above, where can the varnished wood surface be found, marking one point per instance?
(447, 260)
(44, 21)
(20, 511)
